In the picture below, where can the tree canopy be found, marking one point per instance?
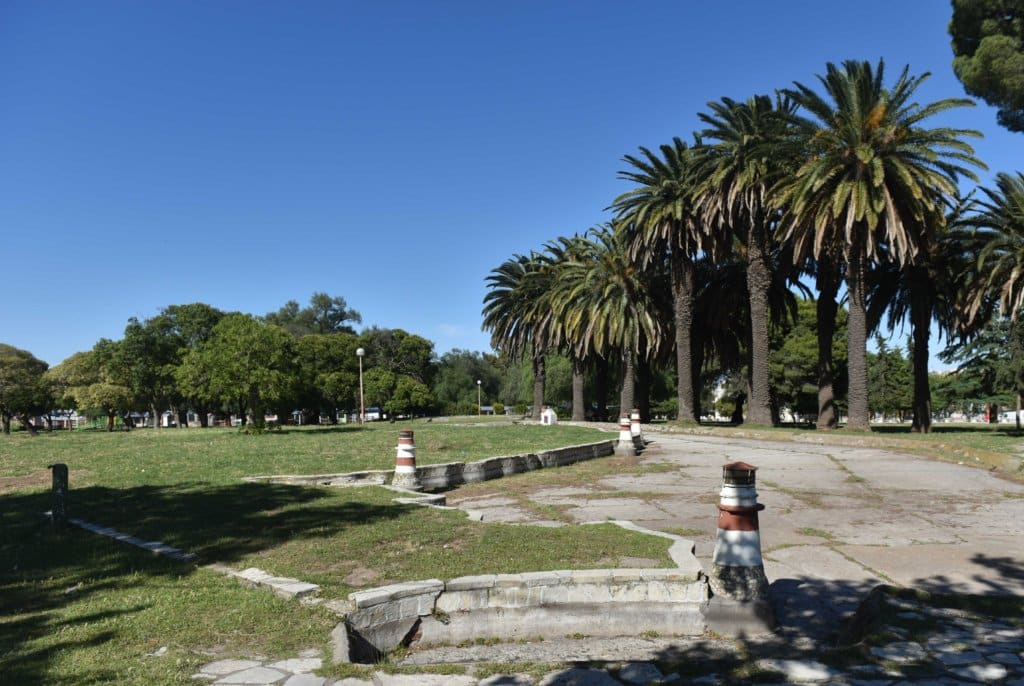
(988, 49)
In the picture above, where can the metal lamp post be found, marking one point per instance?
(362, 412)
(479, 408)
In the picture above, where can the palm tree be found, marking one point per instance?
(1000, 233)
(514, 312)
(559, 253)
(660, 208)
(604, 302)
(872, 177)
(754, 148)
(922, 291)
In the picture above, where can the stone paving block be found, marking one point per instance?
(985, 673)
(221, 667)
(639, 673)
(298, 664)
(800, 671)
(305, 679)
(967, 657)
(352, 681)
(1008, 659)
(254, 676)
(900, 652)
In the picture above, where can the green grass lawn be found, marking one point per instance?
(79, 608)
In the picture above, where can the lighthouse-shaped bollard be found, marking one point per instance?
(634, 428)
(737, 579)
(405, 463)
(626, 446)
(738, 568)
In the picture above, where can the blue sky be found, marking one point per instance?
(247, 153)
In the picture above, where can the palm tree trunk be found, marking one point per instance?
(539, 374)
(857, 333)
(644, 383)
(601, 389)
(759, 279)
(626, 398)
(683, 278)
(827, 307)
(579, 410)
(920, 317)
(696, 366)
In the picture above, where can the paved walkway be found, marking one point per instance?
(838, 522)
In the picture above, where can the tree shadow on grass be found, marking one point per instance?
(48, 577)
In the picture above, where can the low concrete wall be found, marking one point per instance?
(440, 477)
(593, 602)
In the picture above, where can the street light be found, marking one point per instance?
(479, 411)
(362, 412)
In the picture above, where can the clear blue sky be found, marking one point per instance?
(247, 153)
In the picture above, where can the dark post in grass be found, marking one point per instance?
(59, 513)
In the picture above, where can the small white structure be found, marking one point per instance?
(548, 417)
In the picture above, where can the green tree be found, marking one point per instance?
(794, 369)
(328, 373)
(409, 397)
(999, 225)
(889, 381)
(245, 361)
(990, 365)
(455, 386)
(325, 314)
(378, 386)
(84, 381)
(24, 391)
(607, 304)
(988, 49)
(661, 209)
(399, 352)
(516, 314)
(872, 180)
(754, 148)
(188, 327)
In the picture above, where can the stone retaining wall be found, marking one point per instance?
(592, 602)
(439, 477)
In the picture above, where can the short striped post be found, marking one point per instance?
(625, 445)
(405, 463)
(738, 571)
(634, 428)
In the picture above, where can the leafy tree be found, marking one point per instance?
(455, 383)
(872, 181)
(990, 367)
(889, 381)
(379, 386)
(245, 361)
(85, 381)
(988, 49)
(325, 314)
(409, 397)
(328, 373)
(189, 327)
(24, 391)
(399, 352)
(794, 369)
